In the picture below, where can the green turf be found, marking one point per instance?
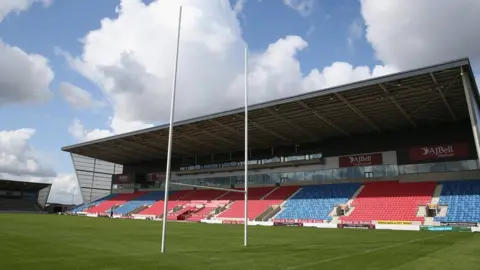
(69, 242)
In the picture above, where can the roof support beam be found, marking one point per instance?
(113, 150)
(399, 107)
(358, 112)
(323, 118)
(144, 148)
(442, 95)
(216, 136)
(271, 132)
(211, 145)
(178, 148)
(284, 119)
(436, 97)
(236, 132)
(132, 152)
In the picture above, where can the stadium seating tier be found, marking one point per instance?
(316, 202)
(390, 201)
(463, 201)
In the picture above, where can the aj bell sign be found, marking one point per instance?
(360, 160)
(454, 150)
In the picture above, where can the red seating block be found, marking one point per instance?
(255, 208)
(390, 201)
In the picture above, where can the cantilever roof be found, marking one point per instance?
(19, 185)
(407, 99)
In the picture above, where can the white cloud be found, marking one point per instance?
(134, 68)
(20, 161)
(24, 78)
(78, 97)
(239, 5)
(409, 34)
(81, 134)
(304, 7)
(17, 157)
(355, 32)
(16, 6)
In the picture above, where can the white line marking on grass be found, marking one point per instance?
(363, 252)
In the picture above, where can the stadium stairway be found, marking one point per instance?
(260, 199)
(174, 200)
(107, 204)
(390, 201)
(204, 212)
(83, 207)
(316, 202)
(462, 199)
(140, 201)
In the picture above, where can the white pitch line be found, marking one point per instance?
(363, 252)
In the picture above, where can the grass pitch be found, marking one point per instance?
(69, 242)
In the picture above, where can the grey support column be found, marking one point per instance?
(472, 109)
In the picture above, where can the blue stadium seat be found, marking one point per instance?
(463, 199)
(85, 206)
(144, 200)
(316, 202)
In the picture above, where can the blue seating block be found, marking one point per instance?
(85, 206)
(316, 202)
(146, 199)
(463, 199)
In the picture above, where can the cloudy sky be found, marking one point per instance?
(77, 70)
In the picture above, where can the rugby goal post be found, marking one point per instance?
(169, 149)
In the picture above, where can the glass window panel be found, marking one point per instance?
(424, 168)
(309, 176)
(316, 156)
(391, 170)
(275, 177)
(319, 175)
(441, 167)
(407, 169)
(358, 172)
(469, 165)
(334, 174)
(346, 173)
(300, 176)
(288, 177)
(378, 171)
(453, 166)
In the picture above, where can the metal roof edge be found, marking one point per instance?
(476, 94)
(28, 182)
(336, 89)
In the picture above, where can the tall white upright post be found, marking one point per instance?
(170, 133)
(246, 149)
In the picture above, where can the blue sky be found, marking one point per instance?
(384, 36)
(41, 29)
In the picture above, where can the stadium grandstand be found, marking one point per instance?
(398, 149)
(17, 196)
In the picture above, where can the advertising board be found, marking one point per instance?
(360, 160)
